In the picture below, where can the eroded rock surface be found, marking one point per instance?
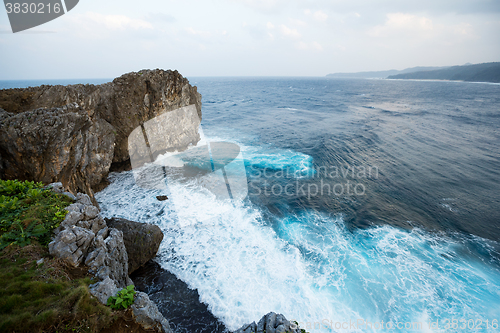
(270, 323)
(84, 238)
(72, 134)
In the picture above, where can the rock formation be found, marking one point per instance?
(84, 238)
(141, 240)
(72, 134)
(271, 323)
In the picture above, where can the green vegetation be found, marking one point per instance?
(123, 299)
(47, 297)
(28, 212)
(39, 293)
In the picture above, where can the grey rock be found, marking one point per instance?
(141, 240)
(71, 219)
(103, 250)
(147, 315)
(75, 207)
(97, 224)
(71, 245)
(103, 290)
(70, 195)
(109, 257)
(251, 328)
(71, 134)
(270, 323)
(53, 144)
(90, 212)
(56, 187)
(83, 199)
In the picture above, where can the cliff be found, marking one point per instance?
(74, 134)
(487, 72)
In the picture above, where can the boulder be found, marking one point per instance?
(147, 315)
(270, 323)
(72, 134)
(141, 240)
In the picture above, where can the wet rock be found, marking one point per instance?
(270, 323)
(147, 315)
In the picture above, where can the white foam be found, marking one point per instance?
(309, 266)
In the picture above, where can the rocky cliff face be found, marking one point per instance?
(74, 133)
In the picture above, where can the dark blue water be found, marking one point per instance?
(391, 211)
(368, 201)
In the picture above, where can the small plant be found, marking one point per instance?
(123, 299)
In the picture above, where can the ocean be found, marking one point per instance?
(372, 205)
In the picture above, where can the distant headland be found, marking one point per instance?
(485, 72)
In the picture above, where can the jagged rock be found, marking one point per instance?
(59, 188)
(109, 257)
(83, 199)
(53, 144)
(90, 212)
(142, 240)
(56, 187)
(147, 315)
(71, 245)
(83, 236)
(270, 323)
(104, 289)
(71, 134)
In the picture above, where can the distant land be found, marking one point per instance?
(486, 72)
(380, 74)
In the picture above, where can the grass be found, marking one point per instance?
(47, 297)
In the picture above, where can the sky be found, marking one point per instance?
(104, 39)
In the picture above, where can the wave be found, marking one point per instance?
(308, 266)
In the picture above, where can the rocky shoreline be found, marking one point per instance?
(71, 137)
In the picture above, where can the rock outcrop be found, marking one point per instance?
(141, 240)
(84, 238)
(72, 134)
(271, 323)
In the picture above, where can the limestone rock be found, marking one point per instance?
(147, 315)
(56, 144)
(104, 290)
(71, 245)
(71, 134)
(142, 240)
(270, 323)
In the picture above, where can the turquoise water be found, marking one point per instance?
(416, 245)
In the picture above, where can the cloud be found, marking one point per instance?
(315, 46)
(297, 22)
(288, 32)
(402, 24)
(318, 15)
(199, 33)
(263, 5)
(112, 22)
(160, 18)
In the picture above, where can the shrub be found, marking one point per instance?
(29, 212)
(123, 299)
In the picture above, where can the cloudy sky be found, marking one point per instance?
(104, 39)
